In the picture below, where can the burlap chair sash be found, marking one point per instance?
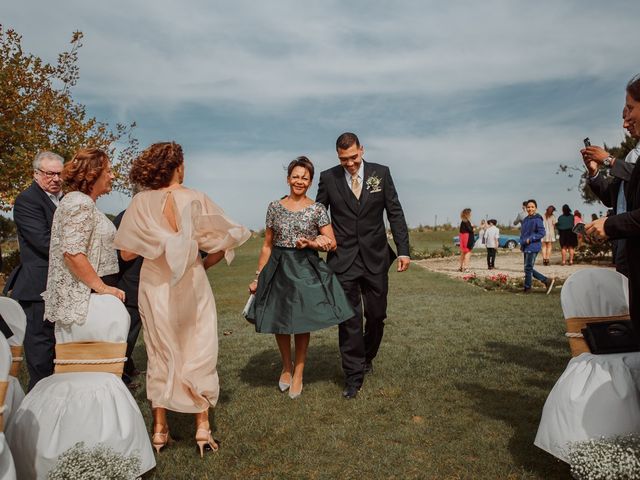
(16, 360)
(574, 331)
(3, 394)
(90, 357)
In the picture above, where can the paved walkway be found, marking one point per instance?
(509, 263)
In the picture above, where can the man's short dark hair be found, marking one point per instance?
(633, 88)
(493, 221)
(345, 141)
(524, 204)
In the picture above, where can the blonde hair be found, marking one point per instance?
(465, 214)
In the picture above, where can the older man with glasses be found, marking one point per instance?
(33, 213)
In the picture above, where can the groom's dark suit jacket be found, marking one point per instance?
(33, 213)
(359, 224)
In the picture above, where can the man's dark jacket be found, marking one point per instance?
(33, 213)
(359, 224)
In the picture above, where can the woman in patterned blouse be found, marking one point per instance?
(295, 291)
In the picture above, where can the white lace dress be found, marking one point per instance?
(78, 227)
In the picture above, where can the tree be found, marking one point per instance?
(571, 171)
(37, 112)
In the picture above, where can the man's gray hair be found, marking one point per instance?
(37, 161)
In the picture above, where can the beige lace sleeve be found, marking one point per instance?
(79, 223)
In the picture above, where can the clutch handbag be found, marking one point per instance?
(610, 337)
(247, 306)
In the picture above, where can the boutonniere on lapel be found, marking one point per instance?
(373, 183)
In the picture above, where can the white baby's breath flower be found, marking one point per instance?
(616, 458)
(96, 463)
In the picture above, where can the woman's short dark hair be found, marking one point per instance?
(303, 162)
(155, 166)
(633, 88)
(531, 200)
(81, 173)
(345, 141)
(566, 210)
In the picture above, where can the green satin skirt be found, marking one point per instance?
(297, 293)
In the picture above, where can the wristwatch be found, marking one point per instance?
(607, 161)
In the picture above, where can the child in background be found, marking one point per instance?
(491, 240)
(531, 234)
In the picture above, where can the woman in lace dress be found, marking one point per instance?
(82, 258)
(295, 291)
(168, 224)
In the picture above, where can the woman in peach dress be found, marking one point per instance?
(169, 225)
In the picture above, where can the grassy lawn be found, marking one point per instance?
(457, 392)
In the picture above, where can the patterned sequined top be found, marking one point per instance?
(289, 226)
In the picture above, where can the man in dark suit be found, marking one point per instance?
(611, 189)
(627, 225)
(33, 213)
(357, 194)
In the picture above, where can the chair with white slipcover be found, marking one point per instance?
(7, 468)
(596, 395)
(85, 399)
(16, 320)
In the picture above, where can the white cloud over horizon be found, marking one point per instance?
(471, 104)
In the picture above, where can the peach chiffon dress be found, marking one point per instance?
(175, 299)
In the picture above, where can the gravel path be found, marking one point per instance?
(510, 263)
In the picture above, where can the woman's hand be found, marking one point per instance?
(253, 286)
(324, 243)
(303, 243)
(116, 292)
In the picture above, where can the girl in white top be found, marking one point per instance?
(549, 220)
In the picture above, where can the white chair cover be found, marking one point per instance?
(7, 468)
(89, 407)
(597, 395)
(15, 318)
(595, 292)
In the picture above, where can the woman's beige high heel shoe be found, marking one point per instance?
(161, 438)
(204, 440)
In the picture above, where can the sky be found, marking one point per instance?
(470, 104)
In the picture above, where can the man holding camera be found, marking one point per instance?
(611, 189)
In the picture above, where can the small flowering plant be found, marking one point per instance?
(373, 183)
(96, 463)
(606, 458)
(470, 277)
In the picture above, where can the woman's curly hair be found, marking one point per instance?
(83, 170)
(154, 167)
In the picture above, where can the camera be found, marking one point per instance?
(587, 142)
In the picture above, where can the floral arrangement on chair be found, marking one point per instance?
(606, 458)
(96, 463)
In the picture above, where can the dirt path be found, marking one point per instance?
(509, 263)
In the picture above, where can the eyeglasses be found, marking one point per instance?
(49, 174)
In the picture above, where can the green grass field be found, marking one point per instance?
(457, 392)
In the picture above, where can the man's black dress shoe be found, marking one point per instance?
(368, 368)
(350, 392)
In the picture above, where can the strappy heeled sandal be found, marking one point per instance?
(161, 439)
(204, 440)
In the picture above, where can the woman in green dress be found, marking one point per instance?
(295, 290)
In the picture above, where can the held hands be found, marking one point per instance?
(253, 286)
(321, 243)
